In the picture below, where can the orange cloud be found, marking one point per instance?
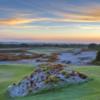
(15, 21)
(83, 14)
(89, 13)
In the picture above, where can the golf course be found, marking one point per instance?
(49, 49)
(90, 90)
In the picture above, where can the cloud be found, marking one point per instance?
(89, 27)
(71, 13)
(87, 13)
(16, 21)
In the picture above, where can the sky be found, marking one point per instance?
(70, 21)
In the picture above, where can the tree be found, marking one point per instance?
(92, 46)
(98, 56)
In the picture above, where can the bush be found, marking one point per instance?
(97, 60)
(52, 79)
(64, 72)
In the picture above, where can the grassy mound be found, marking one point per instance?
(87, 91)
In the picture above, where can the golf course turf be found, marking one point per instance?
(85, 91)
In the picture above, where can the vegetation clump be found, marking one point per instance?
(98, 56)
(46, 76)
(97, 60)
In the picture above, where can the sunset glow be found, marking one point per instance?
(72, 21)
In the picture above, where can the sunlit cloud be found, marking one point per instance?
(15, 21)
(67, 20)
(87, 14)
(90, 27)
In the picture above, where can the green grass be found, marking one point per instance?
(86, 91)
(48, 50)
(10, 74)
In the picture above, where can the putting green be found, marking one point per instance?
(86, 91)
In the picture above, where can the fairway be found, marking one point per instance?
(49, 49)
(86, 91)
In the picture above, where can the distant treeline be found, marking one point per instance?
(94, 46)
(29, 45)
